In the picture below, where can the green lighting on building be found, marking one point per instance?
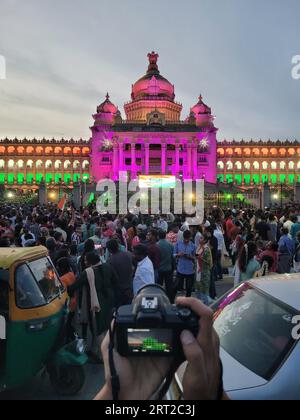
(67, 178)
(29, 178)
(274, 179)
(247, 179)
(39, 178)
(21, 179)
(85, 177)
(11, 179)
(238, 179)
(49, 178)
(58, 178)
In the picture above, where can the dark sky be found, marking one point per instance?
(62, 56)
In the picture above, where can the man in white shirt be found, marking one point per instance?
(221, 247)
(163, 224)
(144, 274)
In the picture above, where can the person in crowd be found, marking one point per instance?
(297, 254)
(154, 251)
(57, 226)
(286, 247)
(68, 278)
(122, 264)
(96, 238)
(204, 269)
(295, 227)
(218, 233)
(4, 243)
(132, 233)
(273, 225)
(288, 223)
(247, 263)
(96, 286)
(52, 248)
(144, 273)
(167, 265)
(162, 224)
(272, 252)
(263, 229)
(172, 236)
(89, 247)
(185, 254)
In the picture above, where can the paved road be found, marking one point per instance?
(40, 388)
(224, 286)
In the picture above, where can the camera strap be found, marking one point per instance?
(115, 380)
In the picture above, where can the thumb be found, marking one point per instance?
(191, 348)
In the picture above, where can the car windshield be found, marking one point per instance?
(46, 277)
(255, 329)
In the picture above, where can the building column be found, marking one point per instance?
(163, 158)
(121, 156)
(147, 158)
(77, 195)
(42, 193)
(133, 161)
(177, 164)
(195, 161)
(189, 161)
(115, 162)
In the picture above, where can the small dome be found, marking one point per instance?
(201, 107)
(153, 85)
(107, 107)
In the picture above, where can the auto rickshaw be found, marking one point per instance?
(33, 311)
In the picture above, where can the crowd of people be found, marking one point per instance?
(104, 261)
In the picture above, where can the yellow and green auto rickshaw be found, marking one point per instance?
(33, 311)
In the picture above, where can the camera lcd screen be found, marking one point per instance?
(150, 340)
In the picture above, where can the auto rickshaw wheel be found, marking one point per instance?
(67, 380)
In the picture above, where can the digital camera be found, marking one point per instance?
(152, 326)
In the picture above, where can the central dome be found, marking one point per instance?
(153, 86)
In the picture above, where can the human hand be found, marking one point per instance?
(201, 380)
(139, 378)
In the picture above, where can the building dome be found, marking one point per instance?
(153, 85)
(107, 107)
(201, 107)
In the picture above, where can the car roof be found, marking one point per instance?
(9, 256)
(283, 287)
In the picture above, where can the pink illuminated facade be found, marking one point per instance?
(153, 139)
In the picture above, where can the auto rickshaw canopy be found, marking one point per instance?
(11, 256)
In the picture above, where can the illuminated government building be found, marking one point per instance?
(153, 140)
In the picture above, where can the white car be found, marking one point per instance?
(259, 335)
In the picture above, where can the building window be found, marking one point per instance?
(127, 161)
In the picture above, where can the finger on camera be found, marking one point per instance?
(205, 315)
(191, 348)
